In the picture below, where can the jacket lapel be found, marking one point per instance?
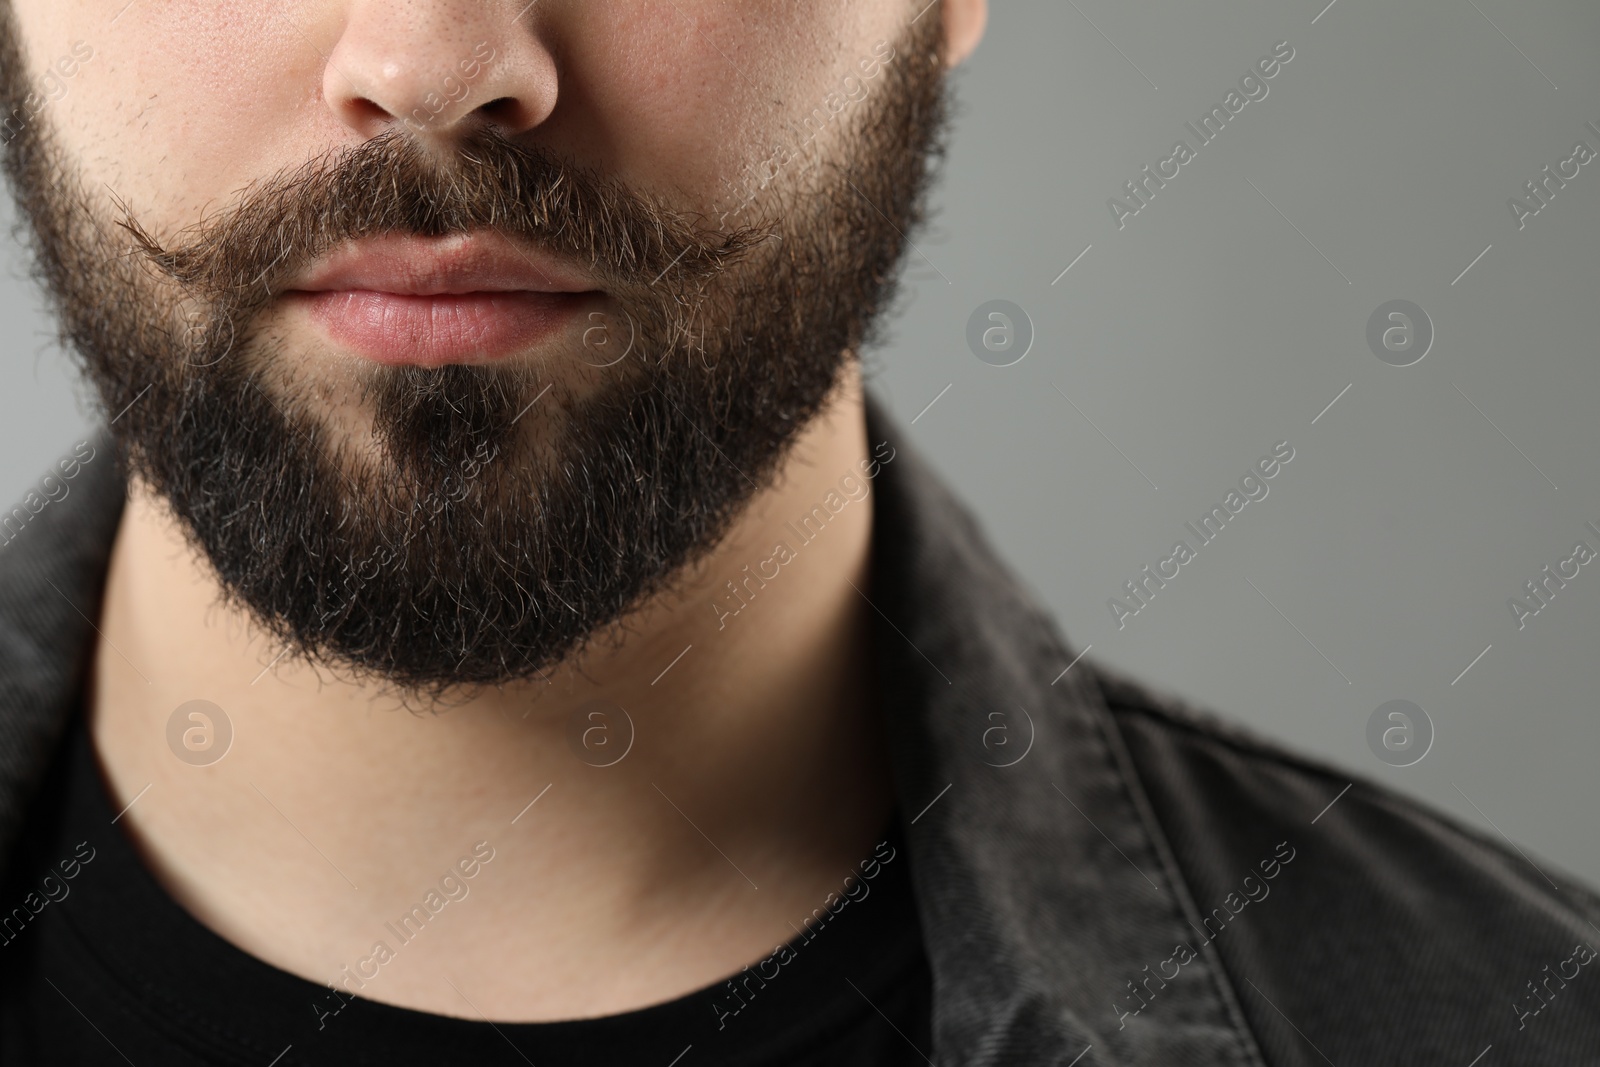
(1043, 883)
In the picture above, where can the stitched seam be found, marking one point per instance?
(1578, 896)
(1179, 715)
(1249, 1047)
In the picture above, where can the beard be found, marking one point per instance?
(440, 529)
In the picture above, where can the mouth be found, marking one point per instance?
(432, 301)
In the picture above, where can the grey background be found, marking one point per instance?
(1224, 318)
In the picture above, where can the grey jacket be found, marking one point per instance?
(1104, 876)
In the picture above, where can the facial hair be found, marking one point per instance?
(490, 520)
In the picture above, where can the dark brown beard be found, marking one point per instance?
(469, 540)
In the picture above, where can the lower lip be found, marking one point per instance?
(431, 331)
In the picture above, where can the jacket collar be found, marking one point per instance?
(1043, 883)
(52, 571)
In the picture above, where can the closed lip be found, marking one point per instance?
(457, 264)
(432, 301)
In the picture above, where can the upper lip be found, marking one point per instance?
(411, 265)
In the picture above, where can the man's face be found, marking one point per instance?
(452, 331)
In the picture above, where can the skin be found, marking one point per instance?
(333, 812)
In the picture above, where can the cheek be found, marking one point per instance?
(185, 102)
(683, 97)
(647, 95)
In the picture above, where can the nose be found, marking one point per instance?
(439, 68)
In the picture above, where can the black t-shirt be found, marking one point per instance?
(99, 965)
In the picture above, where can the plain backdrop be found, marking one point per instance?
(1225, 317)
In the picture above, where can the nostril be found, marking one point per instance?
(501, 109)
(367, 110)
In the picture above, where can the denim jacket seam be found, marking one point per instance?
(1249, 1047)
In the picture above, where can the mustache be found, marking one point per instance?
(391, 184)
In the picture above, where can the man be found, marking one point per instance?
(492, 624)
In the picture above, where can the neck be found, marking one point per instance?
(702, 782)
